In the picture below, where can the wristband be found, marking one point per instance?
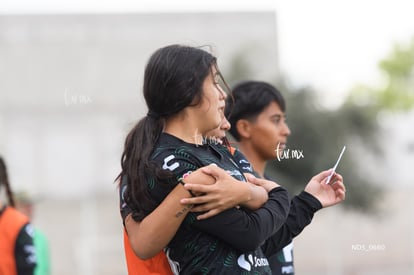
(180, 180)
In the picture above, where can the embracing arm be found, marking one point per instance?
(227, 192)
(258, 196)
(216, 191)
(151, 235)
(154, 232)
(247, 230)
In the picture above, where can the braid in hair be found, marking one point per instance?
(4, 180)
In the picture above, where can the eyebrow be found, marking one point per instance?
(277, 116)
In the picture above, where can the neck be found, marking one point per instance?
(257, 162)
(183, 128)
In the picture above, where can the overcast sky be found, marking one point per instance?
(330, 45)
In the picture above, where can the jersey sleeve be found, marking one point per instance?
(180, 162)
(244, 230)
(25, 253)
(302, 209)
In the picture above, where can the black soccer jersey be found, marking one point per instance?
(223, 253)
(242, 162)
(228, 243)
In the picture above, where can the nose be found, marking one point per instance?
(286, 130)
(225, 124)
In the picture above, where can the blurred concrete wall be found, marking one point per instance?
(71, 86)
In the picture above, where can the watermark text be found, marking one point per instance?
(283, 153)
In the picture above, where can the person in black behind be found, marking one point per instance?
(257, 115)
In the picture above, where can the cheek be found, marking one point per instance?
(270, 134)
(269, 139)
(213, 115)
(262, 139)
(211, 99)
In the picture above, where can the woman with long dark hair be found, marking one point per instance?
(145, 240)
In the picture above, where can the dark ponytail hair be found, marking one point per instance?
(173, 80)
(4, 180)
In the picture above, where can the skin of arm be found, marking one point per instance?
(153, 233)
(150, 236)
(245, 194)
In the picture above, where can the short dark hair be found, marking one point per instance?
(248, 100)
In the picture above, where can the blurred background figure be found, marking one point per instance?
(26, 204)
(17, 253)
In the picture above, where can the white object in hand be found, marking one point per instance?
(336, 165)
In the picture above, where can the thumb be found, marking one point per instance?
(250, 177)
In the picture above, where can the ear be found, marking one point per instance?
(244, 128)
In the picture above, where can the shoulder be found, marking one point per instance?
(13, 218)
(171, 153)
(242, 161)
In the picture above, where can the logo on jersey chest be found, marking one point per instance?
(249, 261)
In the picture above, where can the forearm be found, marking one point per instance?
(155, 231)
(257, 197)
(247, 231)
(258, 191)
(302, 209)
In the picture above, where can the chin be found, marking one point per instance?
(274, 155)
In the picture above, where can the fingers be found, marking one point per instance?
(322, 175)
(203, 204)
(338, 177)
(208, 214)
(339, 187)
(197, 200)
(198, 188)
(257, 181)
(206, 208)
(250, 177)
(337, 182)
(213, 170)
(340, 195)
